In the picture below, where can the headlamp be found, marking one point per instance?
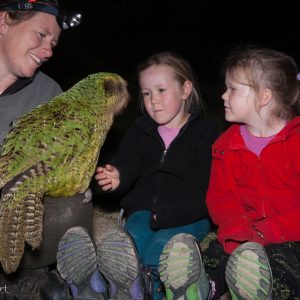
(65, 19)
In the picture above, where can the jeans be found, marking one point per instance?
(150, 242)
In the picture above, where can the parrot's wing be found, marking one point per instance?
(44, 134)
(24, 146)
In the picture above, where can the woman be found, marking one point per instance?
(29, 30)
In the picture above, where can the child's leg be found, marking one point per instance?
(138, 227)
(150, 243)
(159, 239)
(77, 264)
(248, 273)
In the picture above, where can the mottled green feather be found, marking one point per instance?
(53, 150)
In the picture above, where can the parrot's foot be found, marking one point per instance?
(87, 196)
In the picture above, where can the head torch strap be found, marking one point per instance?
(34, 6)
(65, 19)
(49, 9)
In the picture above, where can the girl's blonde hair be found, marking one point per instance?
(267, 68)
(183, 72)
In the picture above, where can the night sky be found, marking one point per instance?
(115, 35)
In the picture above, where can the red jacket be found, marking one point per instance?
(256, 198)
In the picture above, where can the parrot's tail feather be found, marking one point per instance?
(21, 216)
(34, 220)
(12, 237)
(20, 224)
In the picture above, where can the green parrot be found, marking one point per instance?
(53, 150)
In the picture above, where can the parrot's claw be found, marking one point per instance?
(87, 197)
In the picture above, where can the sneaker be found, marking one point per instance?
(77, 264)
(181, 269)
(119, 263)
(248, 273)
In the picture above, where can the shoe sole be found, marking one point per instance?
(248, 273)
(76, 256)
(181, 269)
(118, 262)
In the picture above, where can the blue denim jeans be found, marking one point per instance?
(150, 242)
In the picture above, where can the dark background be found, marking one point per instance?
(115, 35)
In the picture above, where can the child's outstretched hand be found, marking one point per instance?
(108, 177)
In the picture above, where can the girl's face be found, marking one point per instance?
(239, 101)
(26, 45)
(163, 96)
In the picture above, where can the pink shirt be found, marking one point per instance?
(168, 134)
(254, 143)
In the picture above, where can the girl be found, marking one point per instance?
(254, 191)
(162, 172)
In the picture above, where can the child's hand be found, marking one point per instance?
(108, 177)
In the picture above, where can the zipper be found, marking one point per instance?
(162, 160)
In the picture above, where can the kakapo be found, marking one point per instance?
(53, 150)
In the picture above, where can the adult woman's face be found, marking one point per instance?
(24, 46)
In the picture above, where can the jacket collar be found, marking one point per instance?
(232, 139)
(148, 125)
(17, 85)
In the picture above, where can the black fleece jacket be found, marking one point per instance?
(171, 183)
